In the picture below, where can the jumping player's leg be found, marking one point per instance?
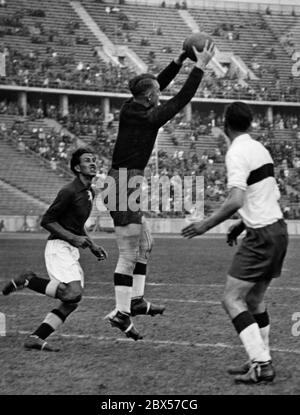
(128, 237)
(128, 243)
(138, 304)
(140, 270)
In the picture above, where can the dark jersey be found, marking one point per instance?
(139, 125)
(71, 208)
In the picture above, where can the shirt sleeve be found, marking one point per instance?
(167, 75)
(163, 113)
(237, 170)
(58, 207)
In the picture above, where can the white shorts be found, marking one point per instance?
(62, 262)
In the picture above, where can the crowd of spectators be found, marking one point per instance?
(86, 121)
(51, 68)
(53, 146)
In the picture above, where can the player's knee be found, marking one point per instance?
(252, 303)
(145, 252)
(126, 263)
(228, 300)
(225, 303)
(151, 243)
(71, 295)
(73, 298)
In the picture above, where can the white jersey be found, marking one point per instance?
(250, 167)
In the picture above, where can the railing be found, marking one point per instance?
(281, 6)
(123, 92)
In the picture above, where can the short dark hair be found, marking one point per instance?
(141, 83)
(75, 158)
(238, 116)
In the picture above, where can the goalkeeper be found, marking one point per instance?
(65, 221)
(140, 119)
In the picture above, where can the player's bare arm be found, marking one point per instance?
(233, 203)
(234, 231)
(97, 250)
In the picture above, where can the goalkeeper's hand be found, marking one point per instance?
(233, 232)
(99, 252)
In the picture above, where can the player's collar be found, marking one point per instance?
(80, 186)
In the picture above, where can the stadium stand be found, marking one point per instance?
(66, 49)
(16, 202)
(47, 44)
(29, 174)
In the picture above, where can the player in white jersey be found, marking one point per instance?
(253, 192)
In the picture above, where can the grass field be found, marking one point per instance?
(185, 351)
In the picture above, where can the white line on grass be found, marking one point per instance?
(165, 300)
(163, 342)
(166, 284)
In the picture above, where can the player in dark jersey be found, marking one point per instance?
(140, 119)
(65, 221)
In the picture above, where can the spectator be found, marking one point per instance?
(184, 5)
(2, 226)
(268, 11)
(217, 31)
(21, 145)
(271, 54)
(145, 42)
(167, 49)
(53, 164)
(158, 31)
(236, 35)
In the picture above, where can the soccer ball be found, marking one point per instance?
(198, 40)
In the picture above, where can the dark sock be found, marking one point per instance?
(122, 279)
(242, 321)
(262, 319)
(45, 329)
(38, 284)
(140, 268)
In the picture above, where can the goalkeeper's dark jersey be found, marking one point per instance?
(138, 126)
(71, 208)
